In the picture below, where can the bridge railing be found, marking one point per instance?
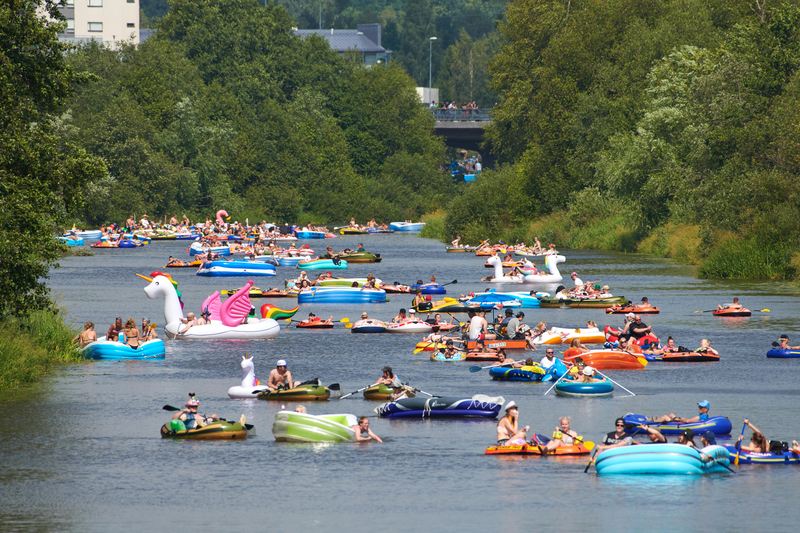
(462, 115)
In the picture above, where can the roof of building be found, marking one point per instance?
(343, 40)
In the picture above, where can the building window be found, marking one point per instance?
(70, 25)
(131, 25)
(95, 3)
(95, 26)
(131, 1)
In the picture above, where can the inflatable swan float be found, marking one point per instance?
(227, 318)
(250, 383)
(499, 276)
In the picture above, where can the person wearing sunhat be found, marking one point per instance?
(280, 378)
(784, 344)
(190, 417)
(364, 315)
(507, 432)
(702, 406)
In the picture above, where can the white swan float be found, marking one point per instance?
(551, 274)
(250, 383)
(227, 318)
(499, 276)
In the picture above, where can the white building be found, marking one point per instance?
(107, 21)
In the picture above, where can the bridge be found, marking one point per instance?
(463, 128)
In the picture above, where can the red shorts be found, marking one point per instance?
(482, 337)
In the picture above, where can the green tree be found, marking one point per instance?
(464, 75)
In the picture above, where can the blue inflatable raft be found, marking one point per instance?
(479, 406)
(430, 288)
(340, 295)
(236, 268)
(719, 425)
(113, 350)
(567, 387)
(310, 234)
(784, 458)
(783, 354)
(669, 459)
(526, 373)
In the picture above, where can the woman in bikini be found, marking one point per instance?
(132, 335)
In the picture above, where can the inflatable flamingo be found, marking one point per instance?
(227, 318)
(222, 213)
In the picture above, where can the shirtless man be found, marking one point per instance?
(86, 336)
(734, 305)
(401, 316)
(363, 433)
(190, 321)
(280, 378)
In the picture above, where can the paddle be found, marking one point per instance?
(479, 368)
(754, 311)
(355, 392)
(556, 382)
(615, 383)
(434, 344)
(739, 448)
(422, 391)
(594, 453)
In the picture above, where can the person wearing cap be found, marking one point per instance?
(450, 350)
(708, 439)
(702, 407)
(687, 438)
(401, 316)
(783, 344)
(604, 293)
(388, 377)
(508, 433)
(616, 438)
(363, 433)
(190, 417)
(400, 391)
(586, 375)
(578, 282)
(758, 442)
(148, 332)
(280, 377)
(364, 315)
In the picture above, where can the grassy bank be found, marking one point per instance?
(31, 346)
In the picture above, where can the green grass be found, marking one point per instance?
(31, 346)
(434, 226)
(746, 259)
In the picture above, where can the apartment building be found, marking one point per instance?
(107, 21)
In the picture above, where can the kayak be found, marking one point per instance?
(290, 426)
(219, 430)
(642, 310)
(610, 360)
(439, 356)
(368, 325)
(409, 326)
(720, 425)
(783, 458)
(118, 351)
(663, 459)
(361, 257)
(298, 394)
(526, 373)
(321, 264)
(584, 390)
(583, 303)
(340, 295)
(479, 406)
(732, 313)
(315, 324)
(783, 354)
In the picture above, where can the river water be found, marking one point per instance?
(81, 449)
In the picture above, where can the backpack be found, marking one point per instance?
(778, 447)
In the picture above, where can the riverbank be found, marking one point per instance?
(31, 346)
(715, 255)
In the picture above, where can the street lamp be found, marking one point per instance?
(430, 67)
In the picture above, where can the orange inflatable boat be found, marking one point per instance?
(610, 360)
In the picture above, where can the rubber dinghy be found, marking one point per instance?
(576, 389)
(787, 457)
(719, 425)
(664, 459)
(219, 430)
(479, 406)
(525, 373)
(290, 426)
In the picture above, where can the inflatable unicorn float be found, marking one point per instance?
(227, 318)
(250, 383)
(528, 274)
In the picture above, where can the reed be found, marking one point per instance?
(434, 226)
(747, 259)
(30, 346)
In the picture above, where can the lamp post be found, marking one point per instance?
(430, 68)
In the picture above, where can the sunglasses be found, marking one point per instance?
(548, 353)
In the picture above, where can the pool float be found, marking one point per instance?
(70, 241)
(235, 268)
(219, 430)
(380, 392)
(662, 459)
(490, 299)
(526, 373)
(368, 325)
(361, 257)
(250, 384)
(532, 448)
(227, 318)
(305, 234)
(222, 213)
(460, 249)
(583, 303)
(184, 264)
(315, 323)
(407, 226)
(642, 310)
(507, 344)
(446, 305)
(322, 264)
(567, 335)
(438, 355)
(125, 243)
(104, 244)
(345, 282)
(783, 458)
(736, 312)
(380, 230)
(198, 249)
(479, 406)
(290, 426)
(396, 288)
(783, 354)
(576, 389)
(289, 261)
(255, 292)
(429, 288)
(301, 393)
(340, 295)
(685, 357)
(610, 360)
(499, 276)
(482, 357)
(188, 236)
(506, 264)
(720, 425)
(428, 346)
(351, 231)
(276, 313)
(409, 326)
(92, 234)
(103, 348)
(550, 274)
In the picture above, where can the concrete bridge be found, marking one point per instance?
(463, 128)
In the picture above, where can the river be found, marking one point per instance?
(81, 449)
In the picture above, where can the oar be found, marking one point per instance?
(171, 408)
(556, 382)
(479, 368)
(451, 283)
(739, 449)
(615, 383)
(422, 391)
(355, 392)
(434, 344)
(594, 454)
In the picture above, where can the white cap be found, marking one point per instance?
(510, 405)
(631, 315)
(281, 362)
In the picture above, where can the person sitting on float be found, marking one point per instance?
(401, 316)
(388, 376)
(577, 345)
(702, 407)
(315, 319)
(508, 433)
(190, 321)
(758, 442)
(190, 417)
(280, 377)
(449, 350)
(588, 375)
(705, 348)
(503, 360)
(399, 391)
(360, 248)
(732, 306)
(783, 344)
(132, 334)
(628, 344)
(457, 242)
(562, 436)
(537, 246)
(87, 336)
(418, 298)
(148, 332)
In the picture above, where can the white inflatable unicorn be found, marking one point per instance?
(249, 382)
(227, 318)
(551, 275)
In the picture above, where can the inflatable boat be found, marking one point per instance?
(525, 373)
(301, 393)
(532, 448)
(732, 313)
(686, 357)
(409, 326)
(783, 458)
(198, 249)
(719, 425)
(340, 295)
(610, 360)
(290, 426)
(640, 309)
(379, 392)
(439, 355)
(236, 268)
(407, 226)
(663, 459)
(567, 335)
(576, 389)
(361, 257)
(479, 406)
(118, 351)
(219, 430)
(506, 345)
(584, 303)
(368, 325)
(783, 354)
(305, 234)
(429, 288)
